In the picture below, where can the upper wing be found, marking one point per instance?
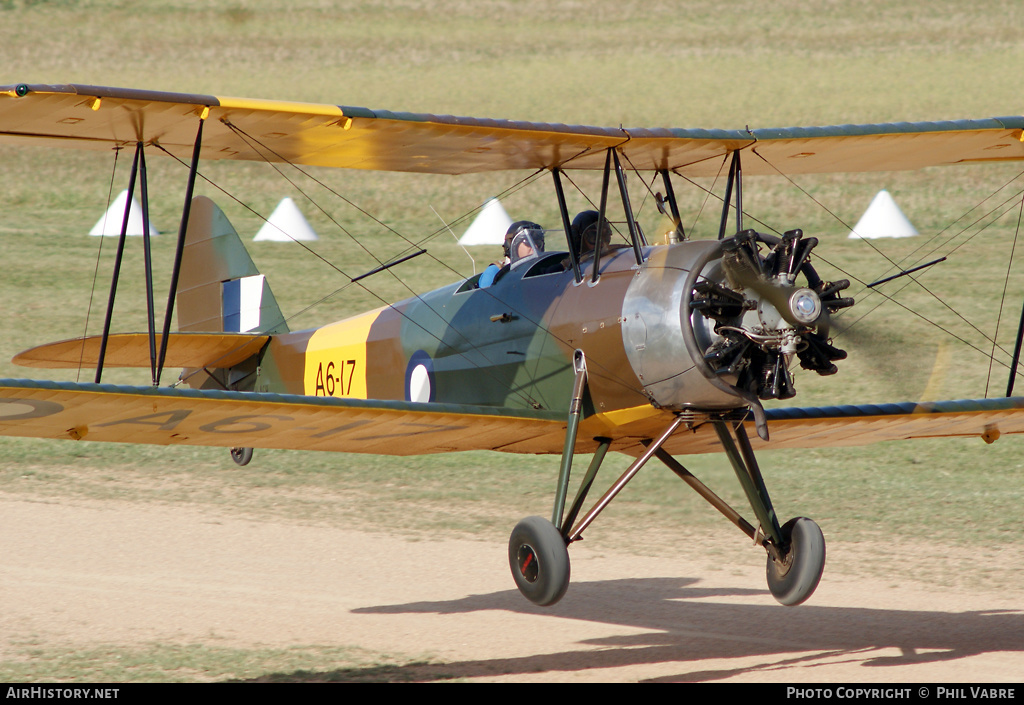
(94, 117)
(166, 416)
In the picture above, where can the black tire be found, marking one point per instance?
(241, 456)
(539, 559)
(795, 578)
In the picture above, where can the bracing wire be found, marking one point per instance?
(861, 315)
(512, 189)
(96, 270)
(521, 184)
(1002, 299)
(915, 280)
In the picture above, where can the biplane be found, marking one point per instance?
(650, 349)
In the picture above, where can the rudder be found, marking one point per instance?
(220, 288)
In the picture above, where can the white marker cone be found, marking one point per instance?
(110, 224)
(883, 218)
(489, 226)
(285, 224)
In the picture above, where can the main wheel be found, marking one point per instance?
(241, 456)
(539, 559)
(793, 579)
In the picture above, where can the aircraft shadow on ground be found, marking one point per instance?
(683, 623)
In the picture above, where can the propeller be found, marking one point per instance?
(763, 317)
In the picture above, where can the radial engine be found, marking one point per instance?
(716, 325)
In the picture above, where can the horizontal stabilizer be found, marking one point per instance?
(193, 350)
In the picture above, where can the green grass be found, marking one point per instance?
(666, 68)
(178, 663)
(689, 64)
(685, 64)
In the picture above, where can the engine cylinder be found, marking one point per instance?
(715, 325)
(653, 330)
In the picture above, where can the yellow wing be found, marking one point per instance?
(94, 117)
(864, 424)
(821, 427)
(165, 416)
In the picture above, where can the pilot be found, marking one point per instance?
(523, 240)
(527, 243)
(584, 233)
(583, 236)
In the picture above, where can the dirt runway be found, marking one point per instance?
(79, 574)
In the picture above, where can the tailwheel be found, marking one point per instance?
(539, 559)
(241, 456)
(794, 577)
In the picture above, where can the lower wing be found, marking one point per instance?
(166, 416)
(170, 416)
(863, 424)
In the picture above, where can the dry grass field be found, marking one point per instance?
(148, 564)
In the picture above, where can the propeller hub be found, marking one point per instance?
(805, 305)
(724, 331)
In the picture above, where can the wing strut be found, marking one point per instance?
(138, 174)
(117, 260)
(1016, 354)
(735, 178)
(178, 252)
(670, 196)
(635, 236)
(148, 259)
(574, 255)
(602, 215)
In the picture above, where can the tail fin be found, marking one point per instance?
(219, 288)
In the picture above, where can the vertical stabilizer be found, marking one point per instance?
(220, 288)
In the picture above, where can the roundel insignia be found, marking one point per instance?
(419, 378)
(17, 409)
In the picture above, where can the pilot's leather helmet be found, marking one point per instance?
(523, 232)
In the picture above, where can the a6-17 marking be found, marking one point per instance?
(336, 379)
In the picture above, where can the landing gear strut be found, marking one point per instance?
(538, 554)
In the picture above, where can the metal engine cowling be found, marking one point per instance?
(715, 325)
